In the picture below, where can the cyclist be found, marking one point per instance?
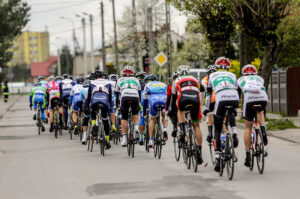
(83, 96)
(140, 76)
(53, 98)
(155, 93)
(38, 94)
(186, 96)
(99, 93)
(130, 90)
(113, 78)
(203, 88)
(65, 87)
(224, 84)
(254, 92)
(42, 81)
(75, 101)
(172, 113)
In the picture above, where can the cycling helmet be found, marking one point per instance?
(71, 77)
(141, 75)
(174, 75)
(50, 79)
(92, 76)
(65, 76)
(249, 70)
(183, 70)
(79, 80)
(113, 77)
(128, 71)
(86, 83)
(150, 77)
(99, 74)
(37, 83)
(211, 69)
(58, 78)
(222, 63)
(41, 77)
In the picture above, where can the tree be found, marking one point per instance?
(214, 20)
(289, 34)
(66, 60)
(14, 15)
(260, 19)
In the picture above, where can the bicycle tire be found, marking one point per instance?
(230, 157)
(212, 152)
(189, 152)
(92, 143)
(177, 150)
(160, 146)
(132, 148)
(194, 157)
(252, 159)
(155, 142)
(221, 165)
(184, 153)
(260, 152)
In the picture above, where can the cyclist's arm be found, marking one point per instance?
(169, 94)
(60, 90)
(89, 96)
(145, 102)
(30, 96)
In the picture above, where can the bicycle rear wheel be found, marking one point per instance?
(212, 152)
(260, 152)
(229, 156)
(194, 155)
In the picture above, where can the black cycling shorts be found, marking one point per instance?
(221, 107)
(85, 121)
(54, 101)
(126, 103)
(212, 106)
(250, 112)
(190, 100)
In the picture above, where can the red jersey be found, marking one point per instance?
(185, 83)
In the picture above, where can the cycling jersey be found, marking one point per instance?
(75, 96)
(65, 87)
(44, 83)
(185, 90)
(128, 87)
(53, 93)
(204, 83)
(155, 93)
(225, 86)
(254, 94)
(38, 94)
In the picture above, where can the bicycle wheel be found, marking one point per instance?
(195, 150)
(177, 149)
(155, 144)
(146, 139)
(229, 156)
(184, 152)
(189, 153)
(260, 152)
(159, 145)
(212, 152)
(129, 144)
(92, 142)
(222, 162)
(132, 147)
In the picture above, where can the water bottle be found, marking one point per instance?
(223, 140)
(253, 137)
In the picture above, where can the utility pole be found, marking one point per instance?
(84, 48)
(134, 26)
(150, 36)
(58, 63)
(116, 41)
(103, 40)
(92, 44)
(168, 33)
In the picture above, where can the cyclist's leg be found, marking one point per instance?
(124, 123)
(261, 121)
(75, 109)
(231, 119)
(85, 123)
(153, 113)
(105, 120)
(141, 128)
(210, 122)
(135, 109)
(113, 118)
(51, 114)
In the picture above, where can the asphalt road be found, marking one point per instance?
(33, 166)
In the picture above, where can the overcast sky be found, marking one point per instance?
(46, 14)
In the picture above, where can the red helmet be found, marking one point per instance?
(128, 71)
(249, 70)
(222, 63)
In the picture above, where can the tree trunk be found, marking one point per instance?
(243, 49)
(269, 59)
(218, 48)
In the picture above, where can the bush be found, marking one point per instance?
(281, 124)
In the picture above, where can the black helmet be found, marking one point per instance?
(58, 78)
(86, 83)
(141, 75)
(99, 74)
(71, 77)
(150, 77)
(79, 80)
(65, 76)
(174, 75)
(41, 77)
(113, 77)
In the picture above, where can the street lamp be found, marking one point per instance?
(84, 45)
(92, 40)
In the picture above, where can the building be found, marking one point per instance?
(30, 47)
(44, 68)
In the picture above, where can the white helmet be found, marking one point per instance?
(222, 63)
(128, 71)
(183, 70)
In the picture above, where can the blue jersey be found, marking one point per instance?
(154, 91)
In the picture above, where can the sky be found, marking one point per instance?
(46, 15)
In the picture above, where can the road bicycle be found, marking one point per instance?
(56, 122)
(158, 140)
(101, 134)
(227, 155)
(70, 122)
(146, 130)
(79, 124)
(117, 134)
(130, 135)
(257, 150)
(211, 148)
(38, 118)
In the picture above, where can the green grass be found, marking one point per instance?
(279, 113)
(241, 120)
(274, 124)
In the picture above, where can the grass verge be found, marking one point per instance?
(274, 124)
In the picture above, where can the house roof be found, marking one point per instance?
(42, 68)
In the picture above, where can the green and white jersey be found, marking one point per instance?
(253, 88)
(224, 84)
(128, 87)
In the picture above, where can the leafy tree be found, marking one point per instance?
(66, 60)
(212, 18)
(14, 15)
(289, 32)
(260, 19)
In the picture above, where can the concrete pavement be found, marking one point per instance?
(33, 166)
